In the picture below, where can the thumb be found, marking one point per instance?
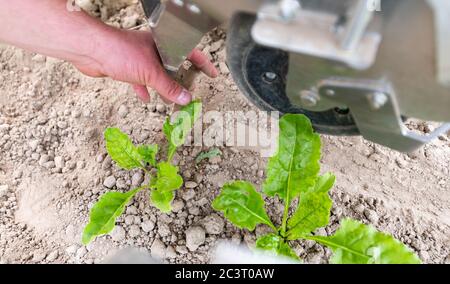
(169, 89)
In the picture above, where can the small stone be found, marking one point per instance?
(33, 144)
(52, 256)
(81, 165)
(118, 234)
(62, 124)
(188, 194)
(371, 215)
(82, 251)
(190, 184)
(137, 179)
(100, 158)
(158, 249)
(160, 108)
(43, 159)
(177, 205)
(216, 45)
(123, 111)
(163, 230)
(110, 182)
(181, 249)
(359, 208)
(195, 237)
(60, 162)
(147, 226)
(223, 67)
(38, 257)
(3, 190)
(38, 58)
(49, 165)
(129, 220)
(72, 249)
(132, 210)
(213, 224)
(121, 184)
(424, 256)
(170, 252)
(134, 231)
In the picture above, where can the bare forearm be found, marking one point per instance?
(48, 27)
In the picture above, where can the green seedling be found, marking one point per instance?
(162, 185)
(208, 155)
(293, 174)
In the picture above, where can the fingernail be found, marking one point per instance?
(215, 73)
(184, 98)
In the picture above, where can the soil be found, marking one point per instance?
(53, 168)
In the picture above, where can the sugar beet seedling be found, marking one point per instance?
(293, 173)
(162, 186)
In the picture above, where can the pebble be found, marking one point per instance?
(110, 182)
(123, 111)
(38, 256)
(72, 249)
(59, 162)
(147, 226)
(188, 194)
(158, 249)
(213, 224)
(359, 208)
(170, 252)
(81, 165)
(3, 190)
(160, 108)
(137, 179)
(177, 205)
(371, 215)
(195, 237)
(33, 144)
(134, 231)
(129, 220)
(52, 256)
(118, 234)
(49, 165)
(223, 67)
(190, 184)
(62, 124)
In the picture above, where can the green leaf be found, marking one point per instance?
(242, 205)
(178, 128)
(167, 180)
(121, 149)
(356, 243)
(104, 213)
(313, 211)
(208, 155)
(148, 153)
(295, 166)
(275, 244)
(162, 200)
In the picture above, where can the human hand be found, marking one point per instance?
(132, 57)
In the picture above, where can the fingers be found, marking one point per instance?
(202, 62)
(142, 93)
(170, 90)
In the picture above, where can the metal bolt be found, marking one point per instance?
(309, 98)
(377, 100)
(179, 3)
(289, 8)
(194, 9)
(269, 77)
